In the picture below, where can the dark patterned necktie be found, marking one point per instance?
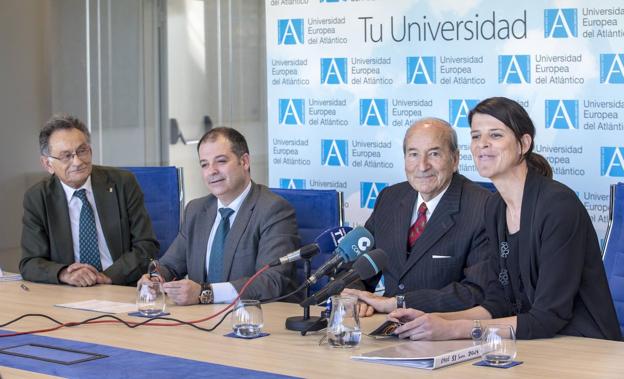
(215, 268)
(89, 250)
(418, 227)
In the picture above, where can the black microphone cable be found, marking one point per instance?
(132, 324)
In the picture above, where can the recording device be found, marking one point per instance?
(351, 246)
(326, 242)
(365, 267)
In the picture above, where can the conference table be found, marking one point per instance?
(283, 352)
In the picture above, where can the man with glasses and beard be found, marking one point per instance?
(84, 225)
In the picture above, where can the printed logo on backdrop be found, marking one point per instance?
(562, 114)
(560, 23)
(421, 70)
(290, 31)
(374, 112)
(612, 68)
(369, 192)
(290, 183)
(333, 1)
(612, 161)
(334, 152)
(458, 111)
(333, 70)
(514, 69)
(291, 112)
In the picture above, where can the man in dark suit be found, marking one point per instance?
(85, 224)
(432, 229)
(230, 234)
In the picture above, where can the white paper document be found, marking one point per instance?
(9, 276)
(103, 306)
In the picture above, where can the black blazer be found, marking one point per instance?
(46, 232)
(446, 269)
(560, 265)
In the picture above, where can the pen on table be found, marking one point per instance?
(23, 286)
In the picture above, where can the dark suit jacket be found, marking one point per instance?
(264, 229)
(455, 229)
(46, 232)
(560, 263)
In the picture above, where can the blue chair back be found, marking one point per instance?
(487, 185)
(316, 211)
(164, 198)
(614, 250)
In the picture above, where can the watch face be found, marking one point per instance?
(400, 300)
(476, 333)
(204, 297)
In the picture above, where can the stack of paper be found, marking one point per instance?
(424, 354)
(9, 276)
(103, 306)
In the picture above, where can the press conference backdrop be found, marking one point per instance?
(346, 78)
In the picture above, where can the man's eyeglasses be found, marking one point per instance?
(83, 153)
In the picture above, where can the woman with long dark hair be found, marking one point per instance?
(547, 275)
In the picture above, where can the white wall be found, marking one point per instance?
(105, 71)
(216, 67)
(188, 92)
(24, 106)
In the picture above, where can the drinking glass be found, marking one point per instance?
(247, 319)
(498, 345)
(343, 329)
(150, 298)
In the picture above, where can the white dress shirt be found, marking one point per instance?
(75, 206)
(224, 292)
(431, 205)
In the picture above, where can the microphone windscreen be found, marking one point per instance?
(369, 264)
(355, 243)
(329, 239)
(308, 251)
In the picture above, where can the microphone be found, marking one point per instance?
(328, 240)
(304, 253)
(352, 245)
(365, 267)
(325, 242)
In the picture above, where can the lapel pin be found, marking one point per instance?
(110, 189)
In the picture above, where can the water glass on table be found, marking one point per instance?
(343, 328)
(498, 345)
(247, 321)
(150, 298)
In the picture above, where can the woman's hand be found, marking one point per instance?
(419, 325)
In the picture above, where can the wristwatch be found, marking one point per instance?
(400, 301)
(206, 296)
(476, 332)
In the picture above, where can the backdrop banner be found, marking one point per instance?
(347, 78)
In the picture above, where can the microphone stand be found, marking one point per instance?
(307, 323)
